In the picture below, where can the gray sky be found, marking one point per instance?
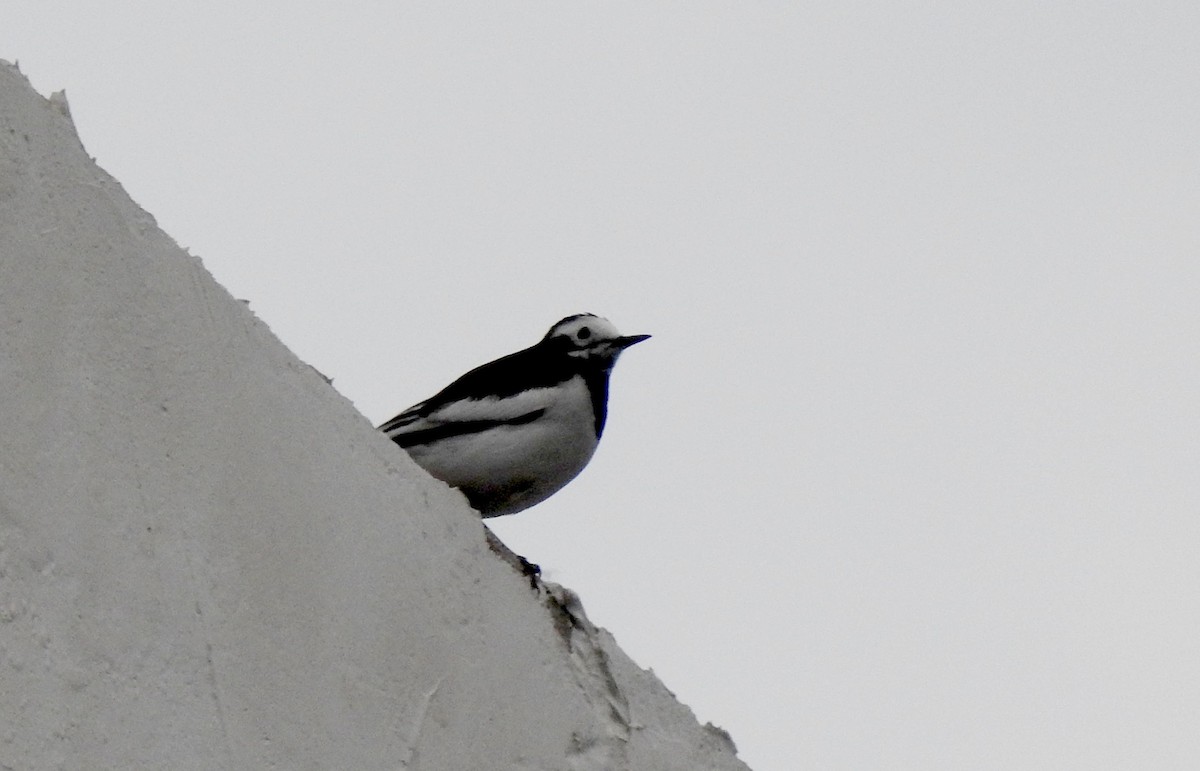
(907, 476)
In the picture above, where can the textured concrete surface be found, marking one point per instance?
(210, 560)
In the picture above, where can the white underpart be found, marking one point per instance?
(536, 458)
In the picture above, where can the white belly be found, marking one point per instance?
(505, 469)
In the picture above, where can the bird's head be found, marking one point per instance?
(587, 336)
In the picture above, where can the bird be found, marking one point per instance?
(512, 432)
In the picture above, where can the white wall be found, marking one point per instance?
(209, 559)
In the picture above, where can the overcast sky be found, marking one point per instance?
(907, 477)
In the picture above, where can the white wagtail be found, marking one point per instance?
(511, 433)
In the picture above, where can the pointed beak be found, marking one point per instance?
(621, 343)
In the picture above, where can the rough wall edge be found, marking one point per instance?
(615, 691)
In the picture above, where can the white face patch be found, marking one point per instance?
(584, 332)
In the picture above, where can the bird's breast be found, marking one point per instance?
(511, 467)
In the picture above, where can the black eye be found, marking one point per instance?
(584, 333)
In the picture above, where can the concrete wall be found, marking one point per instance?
(210, 560)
